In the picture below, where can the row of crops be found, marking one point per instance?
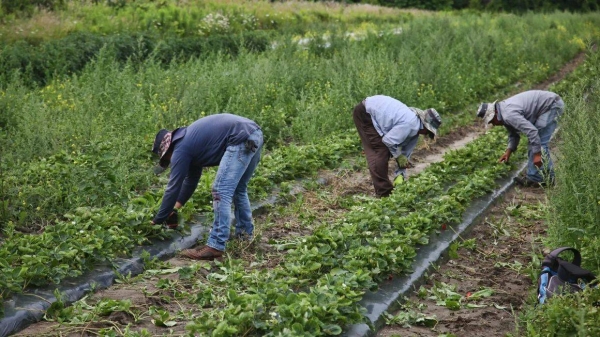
(76, 181)
(316, 290)
(309, 293)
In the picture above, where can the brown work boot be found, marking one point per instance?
(203, 253)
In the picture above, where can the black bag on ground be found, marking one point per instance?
(560, 276)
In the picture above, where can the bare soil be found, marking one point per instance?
(506, 241)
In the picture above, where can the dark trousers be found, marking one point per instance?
(376, 152)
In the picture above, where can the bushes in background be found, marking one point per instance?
(192, 15)
(27, 6)
(70, 54)
(495, 5)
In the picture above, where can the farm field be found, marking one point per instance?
(78, 189)
(489, 274)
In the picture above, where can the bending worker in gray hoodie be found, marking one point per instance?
(535, 114)
(390, 129)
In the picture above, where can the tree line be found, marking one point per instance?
(25, 7)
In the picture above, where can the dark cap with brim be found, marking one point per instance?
(162, 145)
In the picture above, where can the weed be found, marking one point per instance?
(515, 266)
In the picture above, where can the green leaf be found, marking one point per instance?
(473, 305)
(332, 329)
(452, 304)
(486, 292)
(453, 251)
(163, 271)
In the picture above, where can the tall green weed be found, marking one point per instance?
(570, 315)
(576, 198)
(39, 64)
(574, 218)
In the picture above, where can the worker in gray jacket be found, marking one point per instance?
(534, 113)
(390, 129)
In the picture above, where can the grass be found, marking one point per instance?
(574, 202)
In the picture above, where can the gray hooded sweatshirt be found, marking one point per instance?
(520, 114)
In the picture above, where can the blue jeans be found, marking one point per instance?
(231, 184)
(546, 125)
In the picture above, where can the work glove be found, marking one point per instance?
(403, 162)
(537, 159)
(173, 220)
(505, 157)
(398, 180)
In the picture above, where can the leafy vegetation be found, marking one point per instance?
(316, 289)
(69, 55)
(118, 110)
(76, 188)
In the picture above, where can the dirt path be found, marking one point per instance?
(495, 257)
(162, 301)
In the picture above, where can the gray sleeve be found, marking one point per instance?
(396, 136)
(519, 123)
(410, 146)
(513, 138)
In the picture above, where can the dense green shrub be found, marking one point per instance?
(493, 5)
(26, 6)
(571, 315)
(576, 198)
(69, 55)
(422, 4)
(541, 5)
(173, 17)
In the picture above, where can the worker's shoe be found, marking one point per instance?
(203, 253)
(171, 225)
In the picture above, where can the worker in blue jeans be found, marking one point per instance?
(234, 144)
(534, 113)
